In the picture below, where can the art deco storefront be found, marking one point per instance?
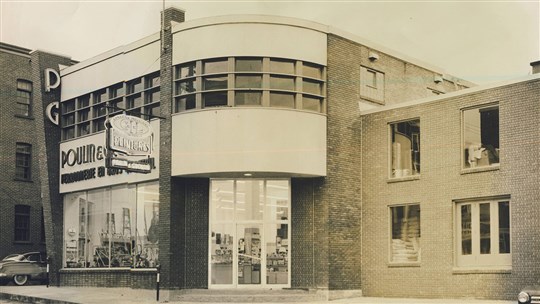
(246, 121)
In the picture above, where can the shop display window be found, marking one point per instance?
(112, 227)
(405, 145)
(483, 233)
(481, 137)
(405, 227)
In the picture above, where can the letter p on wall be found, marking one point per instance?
(51, 76)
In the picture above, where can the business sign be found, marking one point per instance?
(128, 136)
(83, 164)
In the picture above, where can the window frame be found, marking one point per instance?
(27, 90)
(24, 215)
(27, 157)
(411, 176)
(372, 91)
(463, 159)
(293, 73)
(477, 260)
(391, 261)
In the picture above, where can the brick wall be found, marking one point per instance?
(138, 279)
(47, 151)
(168, 232)
(16, 129)
(31, 130)
(440, 184)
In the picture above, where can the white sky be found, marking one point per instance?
(480, 41)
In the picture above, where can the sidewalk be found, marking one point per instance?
(93, 295)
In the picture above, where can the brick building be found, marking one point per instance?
(22, 146)
(288, 156)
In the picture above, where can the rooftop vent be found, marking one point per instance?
(535, 67)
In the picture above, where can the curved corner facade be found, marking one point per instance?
(285, 154)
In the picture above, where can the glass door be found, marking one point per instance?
(249, 254)
(249, 233)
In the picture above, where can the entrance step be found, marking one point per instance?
(248, 296)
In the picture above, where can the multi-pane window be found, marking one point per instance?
(481, 136)
(24, 98)
(22, 223)
(249, 81)
(372, 85)
(483, 233)
(23, 161)
(405, 229)
(86, 114)
(405, 148)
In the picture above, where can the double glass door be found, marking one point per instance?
(249, 233)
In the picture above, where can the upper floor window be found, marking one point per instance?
(87, 114)
(24, 98)
(483, 233)
(372, 84)
(405, 227)
(22, 223)
(23, 161)
(481, 136)
(405, 145)
(249, 82)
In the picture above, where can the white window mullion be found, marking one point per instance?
(494, 228)
(475, 230)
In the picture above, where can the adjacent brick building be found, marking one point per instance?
(292, 155)
(22, 151)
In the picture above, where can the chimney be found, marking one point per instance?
(535, 67)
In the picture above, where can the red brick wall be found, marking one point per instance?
(441, 183)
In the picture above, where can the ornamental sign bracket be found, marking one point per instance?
(128, 136)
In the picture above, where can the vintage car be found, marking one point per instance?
(21, 268)
(529, 295)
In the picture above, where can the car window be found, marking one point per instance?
(33, 258)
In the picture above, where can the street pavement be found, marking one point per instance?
(95, 295)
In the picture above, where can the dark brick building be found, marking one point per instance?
(22, 152)
(292, 156)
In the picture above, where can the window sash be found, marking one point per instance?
(485, 235)
(23, 161)
(22, 223)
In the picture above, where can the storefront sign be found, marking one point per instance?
(83, 164)
(141, 166)
(129, 135)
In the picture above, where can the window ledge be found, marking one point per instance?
(403, 179)
(485, 270)
(23, 180)
(410, 264)
(480, 169)
(22, 243)
(377, 101)
(24, 117)
(107, 269)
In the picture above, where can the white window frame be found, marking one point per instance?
(476, 260)
(493, 166)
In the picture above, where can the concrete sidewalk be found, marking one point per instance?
(93, 295)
